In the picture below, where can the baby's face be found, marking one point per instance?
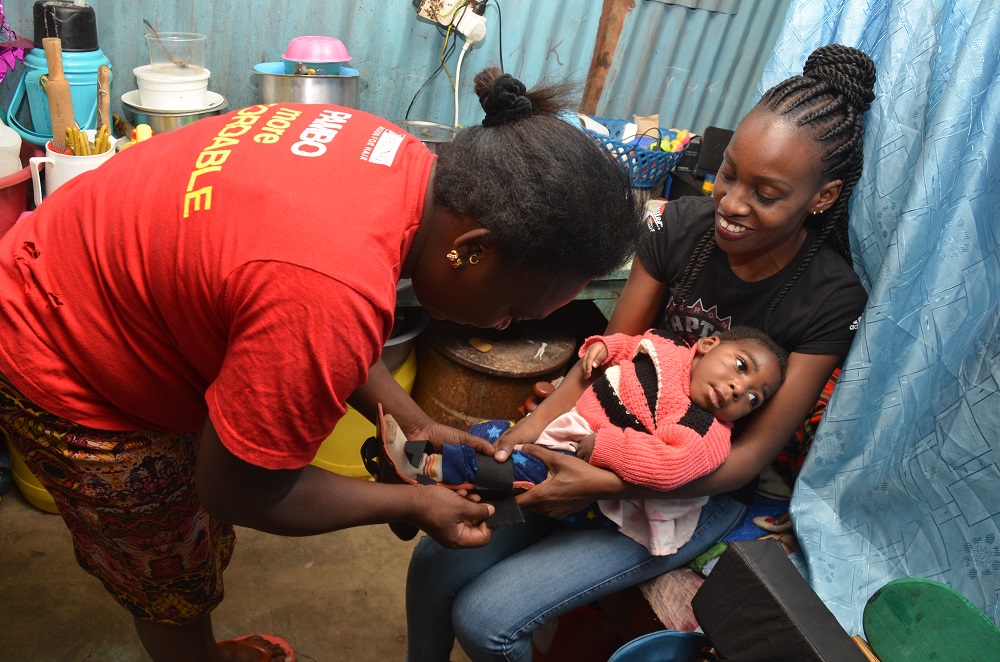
(733, 378)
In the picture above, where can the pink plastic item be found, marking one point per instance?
(316, 49)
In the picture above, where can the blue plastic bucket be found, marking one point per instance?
(662, 646)
(80, 70)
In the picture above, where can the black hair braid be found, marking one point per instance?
(823, 233)
(695, 264)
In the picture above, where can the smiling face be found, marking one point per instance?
(769, 182)
(730, 379)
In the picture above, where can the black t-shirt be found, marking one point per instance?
(818, 314)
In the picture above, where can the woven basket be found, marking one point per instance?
(646, 167)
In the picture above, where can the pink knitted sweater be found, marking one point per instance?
(648, 430)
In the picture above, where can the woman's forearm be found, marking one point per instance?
(297, 502)
(562, 399)
(382, 388)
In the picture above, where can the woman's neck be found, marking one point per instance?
(423, 229)
(753, 268)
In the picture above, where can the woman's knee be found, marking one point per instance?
(487, 628)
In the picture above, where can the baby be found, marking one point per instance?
(659, 416)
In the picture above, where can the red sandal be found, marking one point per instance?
(266, 655)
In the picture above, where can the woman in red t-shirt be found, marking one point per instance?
(183, 326)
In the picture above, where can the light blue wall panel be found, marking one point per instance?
(394, 50)
(695, 67)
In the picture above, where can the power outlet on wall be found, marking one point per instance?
(442, 11)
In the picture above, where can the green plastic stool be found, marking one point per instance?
(920, 620)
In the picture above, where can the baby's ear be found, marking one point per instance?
(705, 345)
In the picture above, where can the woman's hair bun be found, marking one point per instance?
(502, 97)
(849, 71)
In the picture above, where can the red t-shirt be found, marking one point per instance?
(244, 267)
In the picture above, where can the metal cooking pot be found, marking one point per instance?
(430, 134)
(162, 122)
(289, 88)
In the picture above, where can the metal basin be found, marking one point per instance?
(164, 121)
(430, 134)
(279, 87)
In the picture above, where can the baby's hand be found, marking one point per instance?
(594, 357)
(586, 448)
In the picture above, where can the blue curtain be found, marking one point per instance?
(903, 478)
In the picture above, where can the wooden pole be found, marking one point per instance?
(609, 31)
(58, 92)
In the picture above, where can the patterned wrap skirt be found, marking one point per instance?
(129, 501)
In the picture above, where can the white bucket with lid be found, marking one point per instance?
(160, 91)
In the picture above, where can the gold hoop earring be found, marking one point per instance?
(473, 259)
(454, 259)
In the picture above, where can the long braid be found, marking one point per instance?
(695, 263)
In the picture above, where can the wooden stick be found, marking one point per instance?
(58, 91)
(103, 96)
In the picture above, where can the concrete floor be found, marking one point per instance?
(335, 597)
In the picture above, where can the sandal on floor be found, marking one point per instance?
(265, 652)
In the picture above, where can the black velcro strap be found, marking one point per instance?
(415, 451)
(507, 512)
(493, 475)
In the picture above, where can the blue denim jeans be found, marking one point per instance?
(492, 598)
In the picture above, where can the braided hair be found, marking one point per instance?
(828, 100)
(552, 198)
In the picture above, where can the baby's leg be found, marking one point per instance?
(460, 464)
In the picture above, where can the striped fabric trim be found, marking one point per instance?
(606, 391)
(649, 380)
(697, 419)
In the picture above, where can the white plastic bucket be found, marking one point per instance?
(159, 91)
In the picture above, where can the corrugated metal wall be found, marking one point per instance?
(693, 66)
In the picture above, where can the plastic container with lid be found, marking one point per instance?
(167, 92)
(10, 151)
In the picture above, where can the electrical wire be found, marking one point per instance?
(429, 78)
(446, 52)
(458, 71)
(454, 22)
(444, 64)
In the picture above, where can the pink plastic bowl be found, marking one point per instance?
(316, 49)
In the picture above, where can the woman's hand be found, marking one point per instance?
(451, 520)
(572, 484)
(439, 434)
